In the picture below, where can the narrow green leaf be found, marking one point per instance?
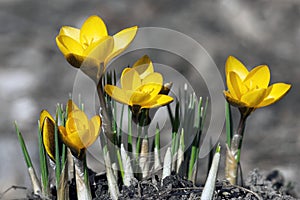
(23, 147)
(157, 139)
(57, 155)
(204, 113)
(198, 118)
(129, 131)
(43, 163)
(228, 117)
(192, 162)
(175, 127)
(121, 125)
(120, 162)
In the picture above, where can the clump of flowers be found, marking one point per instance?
(64, 139)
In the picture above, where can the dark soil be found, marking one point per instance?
(257, 187)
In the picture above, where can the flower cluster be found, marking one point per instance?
(91, 48)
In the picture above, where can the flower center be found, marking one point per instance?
(87, 42)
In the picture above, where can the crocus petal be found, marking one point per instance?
(143, 66)
(275, 92)
(145, 93)
(71, 106)
(138, 98)
(258, 77)
(79, 115)
(93, 29)
(159, 100)
(152, 88)
(71, 32)
(131, 80)
(43, 115)
(79, 61)
(127, 69)
(101, 49)
(153, 78)
(71, 45)
(124, 38)
(72, 140)
(116, 93)
(232, 100)
(234, 65)
(235, 85)
(253, 98)
(48, 136)
(94, 128)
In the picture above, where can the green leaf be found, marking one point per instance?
(228, 117)
(23, 147)
(129, 131)
(43, 163)
(57, 155)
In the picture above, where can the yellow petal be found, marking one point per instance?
(95, 124)
(138, 98)
(71, 32)
(275, 92)
(144, 94)
(258, 77)
(253, 98)
(112, 55)
(93, 29)
(159, 100)
(68, 45)
(124, 38)
(116, 93)
(131, 80)
(233, 101)
(77, 119)
(127, 69)
(234, 65)
(71, 106)
(48, 136)
(143, 66)
(80, 61)
(43, 115)
(61, 46)
(151, 88)
(101, 49)
(72, 140)
(153, 78)
(235, 85)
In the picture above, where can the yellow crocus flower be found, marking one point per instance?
(91, 47)
(251, 89)
(140, 86)
(47, 126)
(80, 132)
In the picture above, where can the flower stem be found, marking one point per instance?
(104, 113)
(233, 152)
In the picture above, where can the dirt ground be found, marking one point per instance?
(35, 76)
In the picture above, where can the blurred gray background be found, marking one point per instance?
(34, 75)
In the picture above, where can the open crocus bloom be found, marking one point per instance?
(251, 89)
(90, 47)
(79, 132)
(140, 86)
